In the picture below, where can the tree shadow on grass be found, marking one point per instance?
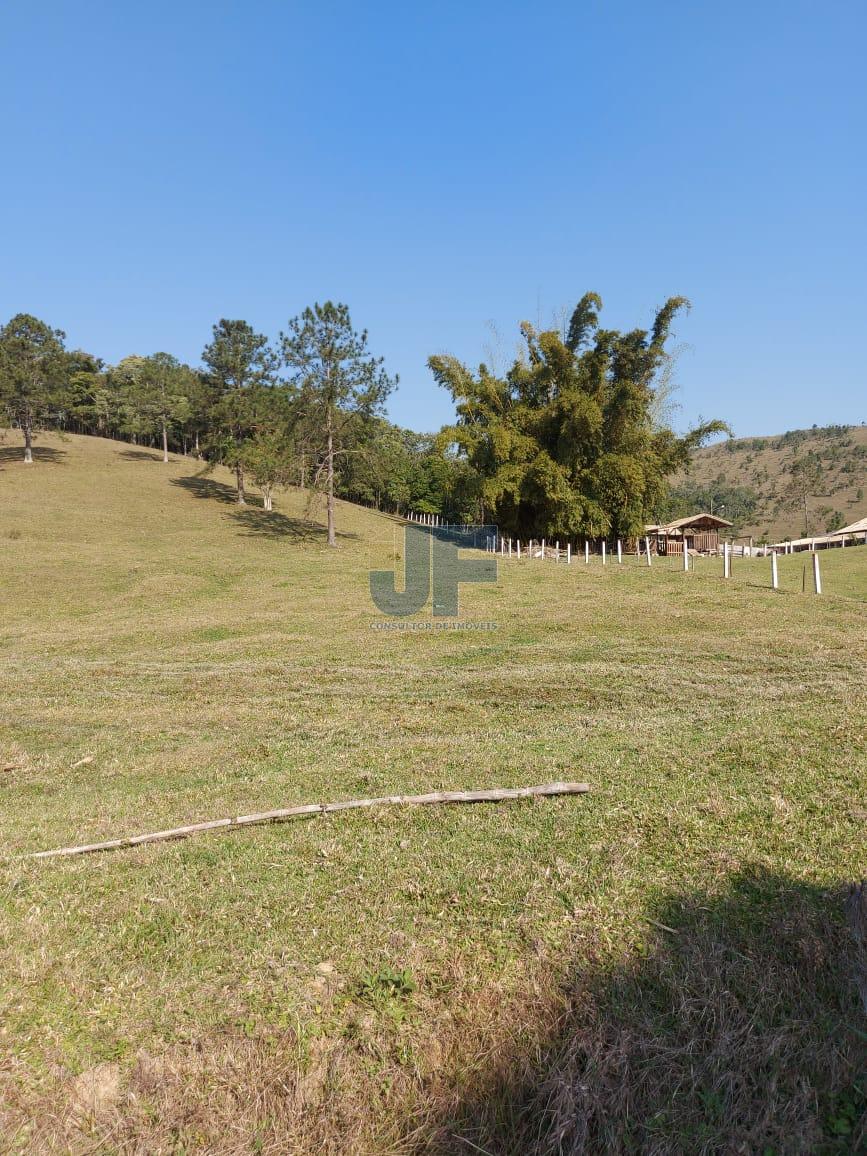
(258, 523)
(201, 487)
(10, 454)
(254, 521)
(143, 455)
(743, 1028)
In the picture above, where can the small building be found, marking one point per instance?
(699, 532)
(852, 535)
(855, 530)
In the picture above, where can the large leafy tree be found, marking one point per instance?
(86, 399)
(336, 382)
(157, 393)
(270, 460)
(376, 471)
(201, 396)
(240, 365)
(32, 367)
(568, 442)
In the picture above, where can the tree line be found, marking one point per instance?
(571, 441)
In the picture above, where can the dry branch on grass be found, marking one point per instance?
(281, 815)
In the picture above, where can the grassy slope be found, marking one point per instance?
(766, 470)
(205, 995)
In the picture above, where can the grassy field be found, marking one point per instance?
(662, 965)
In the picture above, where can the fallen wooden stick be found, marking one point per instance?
(493, 796)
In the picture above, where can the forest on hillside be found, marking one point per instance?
(794, 484)
(573, 440)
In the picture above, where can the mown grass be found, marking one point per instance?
(236, 992)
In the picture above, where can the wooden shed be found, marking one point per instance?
(700, 533)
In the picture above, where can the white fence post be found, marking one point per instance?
(586, 553)
(619, 552)
(775, 578)
(817, 574)
(727, 561)
(603, 551)
(647, 548)
(685, 557)
(568, 553)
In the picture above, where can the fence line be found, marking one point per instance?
(560, 553)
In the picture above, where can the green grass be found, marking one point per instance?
(211, 663)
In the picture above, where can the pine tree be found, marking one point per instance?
(336, 381)
(240, 363)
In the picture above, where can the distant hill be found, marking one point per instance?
(751, 482)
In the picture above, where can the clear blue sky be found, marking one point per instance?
(441, 167)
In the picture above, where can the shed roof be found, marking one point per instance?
(858, 527)
(680, 524)
(814, 540)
